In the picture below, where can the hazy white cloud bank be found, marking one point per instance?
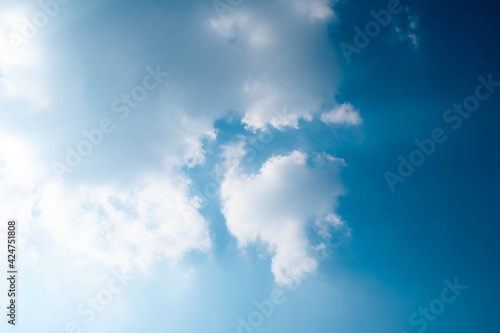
(274, 67)
(19, 62)
(123, 227)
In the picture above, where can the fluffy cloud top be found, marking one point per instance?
(264, 109)
(344, 114)
(277, 205)
(284, 82)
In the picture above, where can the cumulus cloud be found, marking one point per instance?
(186, 136)
(268, 107)
(125, 227)
(281, 84)
(344, 114)
(274, 69)
(130, 220)
(277, 205)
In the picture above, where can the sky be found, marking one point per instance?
(251, 166)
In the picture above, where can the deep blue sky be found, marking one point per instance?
(443, 220)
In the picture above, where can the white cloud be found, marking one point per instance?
(278, 204)
(19, 178)
(321, 11)
(117, 226)
(268, 106)
(344, 114)
(18, 59)
(154, 217)
(11, 23)
(282, 84)
(317, 11)
(185, 136)
(125, 227)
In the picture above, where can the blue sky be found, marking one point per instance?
(193, 166)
